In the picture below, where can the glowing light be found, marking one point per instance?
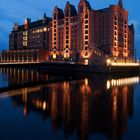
(108, 84)
(45, 29)
(121, 82)
(25, 111)
(108, 61)
(124, 64)
(44, 105)
(86, 82)
(54, 56)
(86, 61)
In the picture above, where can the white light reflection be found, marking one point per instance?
(121, 82)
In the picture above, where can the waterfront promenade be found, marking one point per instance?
(75, 67)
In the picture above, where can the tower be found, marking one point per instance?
(120, 3)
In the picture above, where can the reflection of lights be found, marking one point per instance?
(44, 105)
(66, 87)
(121, 82)
(108, 84)
(25, 110)
(40, 105)
(86, 82)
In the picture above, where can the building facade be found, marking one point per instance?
(85, 36)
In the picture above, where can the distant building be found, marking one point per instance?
(87, 36)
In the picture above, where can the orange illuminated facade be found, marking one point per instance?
(85, 36)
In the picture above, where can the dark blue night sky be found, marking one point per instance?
(12, 11)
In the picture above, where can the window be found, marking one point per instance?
(67, 13)
(125, 21)
(81, 9)
(86, 21)
(86, 16)
(86, 37)
(55, 16)
(115, 18)
(86, 42)
(86, 32)
(86, 26)
(67, 37)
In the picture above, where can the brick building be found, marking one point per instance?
(83, 36)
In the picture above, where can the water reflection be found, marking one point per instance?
(95, 104)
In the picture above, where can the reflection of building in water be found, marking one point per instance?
(20, 75)
(85, 105)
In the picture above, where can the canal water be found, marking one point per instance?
(39, 106)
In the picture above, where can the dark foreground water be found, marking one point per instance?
(36, 106)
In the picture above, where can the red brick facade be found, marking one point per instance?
(84, 36)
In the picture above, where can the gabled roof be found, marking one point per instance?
(35, 24)
(60, 13)
(88, 4)
(73, 11)
(131, 27)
